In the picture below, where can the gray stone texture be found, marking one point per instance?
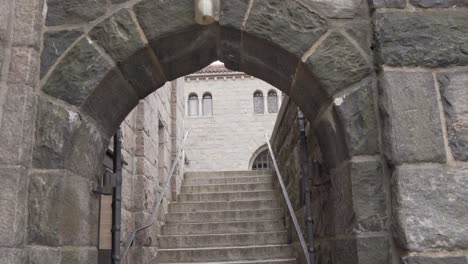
(411, 120)
(337, 64)
(357, 115)
(24, 66)
(434, 260)
(439, 3)
(279, 21)
(77, 74)
(55, 43)
(338, 9)
(17, 128)
(55, 127)
(388, 3)
(331, 140)
(13, 205)
(62, 210)
(453, 87)
(28, 23)
(429, 207)
(65, 12)
(231, 18)
(365, 250)
(422, 39)
(13, 255)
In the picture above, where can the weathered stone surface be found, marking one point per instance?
(232, 13)
(361, 31)
(76, 75)
(388, 3)
(369, 196)
(434, 260)
(279, 22)
(62, 210)
(337, 8)
(17, 128)
(429, 207)
(438, 3)
(411, 119)
(79, 255)
(453, 87)
(13, 205)
(369, 250)
(337, 64)
(430, 39)
(86, 154)
(187, 51)
(118, 35)
(159, 18)
(55, 127)
(62, 12)
(12, 255)
(146, 194)
(55, 43)
(113, 91)
(28, 23)
(357, 114)
(24, 66)
(43, 255)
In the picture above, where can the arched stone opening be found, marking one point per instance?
(324, 65)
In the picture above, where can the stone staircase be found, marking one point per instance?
(226, 217)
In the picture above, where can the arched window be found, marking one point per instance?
(207, 104)
(272, 102)
(262, 161)
(193, 105)
(259, 107)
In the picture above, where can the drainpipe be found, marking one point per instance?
(306, 179)
(117, 197)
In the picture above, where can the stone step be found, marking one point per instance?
(219, 206)
(225, 174)
(221, 240)
(236, 187)
(222, 228)
(221, 216)
(227, 180)
(266, 261)
(227, 196)
(225, 254)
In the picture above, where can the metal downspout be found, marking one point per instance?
(117, 197)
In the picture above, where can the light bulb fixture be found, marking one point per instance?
(205, 11)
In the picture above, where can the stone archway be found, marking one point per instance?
(128, 53)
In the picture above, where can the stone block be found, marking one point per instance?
(78, 73)
(13, 205)
(55, 127)
(357, 115)
(439, 3)
(434, 260)
(28, 23)
(79, 255)
(87, 151)
(111, 101)
(24, 66)
(338, 9)
(388, 3)
(429, 207)
(62, 12)
(278, 22)
(422, 39)
(453, 87)
(43, 255)
(148, 237)
(13, 255)
(16, 132)
(55, 43)
(232, 13)
(369, 196)
(145, 194)
(411, 120)
(127, 191)
(369, 250)
(62, 210)
(146, 167)
(337, 64)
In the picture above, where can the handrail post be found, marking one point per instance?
(306, 179)
(288, 203)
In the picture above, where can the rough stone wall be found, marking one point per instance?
(228, 139)
(423, 79)
(151, 134)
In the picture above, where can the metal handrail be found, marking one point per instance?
(154, 214)
(288, 203)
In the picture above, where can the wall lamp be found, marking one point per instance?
(206, 11)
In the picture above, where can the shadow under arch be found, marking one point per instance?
(132, 52)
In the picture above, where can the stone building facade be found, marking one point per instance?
(228, 136)
(382, 83)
